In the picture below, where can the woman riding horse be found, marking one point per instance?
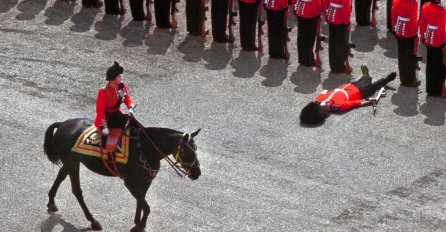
(108, 104)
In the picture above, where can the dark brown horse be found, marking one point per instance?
(147, 147)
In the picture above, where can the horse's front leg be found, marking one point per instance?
(138, 190)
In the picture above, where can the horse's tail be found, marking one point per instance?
(48, 144)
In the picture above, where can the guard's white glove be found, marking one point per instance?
(105, 131)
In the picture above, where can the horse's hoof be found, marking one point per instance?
(96, 226)
(52, 208)
(137, 228)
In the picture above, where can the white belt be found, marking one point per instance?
(334, 92)
(307, 0)
(403, 19)
(335, 5)
(432, 27)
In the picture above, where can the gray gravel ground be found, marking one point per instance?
(261, 171)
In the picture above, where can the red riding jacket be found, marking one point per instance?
(405, 18)
(307, 8)
(433, 25)
(337, 11)
(277, 5)
(343, 98)
(108, 101)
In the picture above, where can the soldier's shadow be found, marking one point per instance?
(334, 80)
(192, 47)
(134, 33)
(84, 19)
(29, 9)
(389, 44)
(60, 12)
(406, 100)
(365, 38)
(306, 79)
(246, 64)
(55, 220)
(218, 56)
(434, 109)
(159, 41)
(6, 5)
(275, 71)
(109, 27)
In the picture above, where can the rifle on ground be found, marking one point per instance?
(319, 39)
(231, 21)
(149, 13)
(286, 53)
(381, 93)
(173, 11)
(260, 23)
(122, 9)
(374, 9)
(203, 8)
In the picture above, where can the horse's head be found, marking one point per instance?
(186, 155)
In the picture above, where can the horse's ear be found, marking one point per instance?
(195, 133)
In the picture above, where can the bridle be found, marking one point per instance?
(181, 168)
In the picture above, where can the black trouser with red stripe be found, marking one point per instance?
(362, 11)
(248, 19)
(407, 61)
(337, 46)
(277, 33)
(306, 37)
(219, 18)
(112, 7)
(162, 13)
(388, 15)
(137, 9)
(435, 71)
(193, 16)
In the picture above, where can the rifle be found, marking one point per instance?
(231, 21)
(260, 24)
(417, 59)
(374, 9)
(122, 10)
(203, 9)
(149, 13)
(381, 93)
(348, 69)
(286, 53)
(173, 11)
(318, 43)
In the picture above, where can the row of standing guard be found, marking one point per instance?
(408, 20)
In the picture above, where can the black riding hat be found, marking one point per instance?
(114, 71)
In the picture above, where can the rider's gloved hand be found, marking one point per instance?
(105, 131)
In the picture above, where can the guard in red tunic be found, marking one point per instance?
(110, 97)
(363, 9)
(432, 33)
(337, 15)
(405, 28)
(277, 18)
(248, 21)
(308, 13)
(341, 99)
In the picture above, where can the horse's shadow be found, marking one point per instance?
(246, 64)
(218, 56)
(434, 109)
(30, 8)
(60, 12)
(334, 80)
(84, 19)
(365, 38)
(134, 33)
(192, 47)
(406, 100)
(275, 71)
(159, 41)
(306, 79)
(109, 27)
(6, 5)
(56, 219)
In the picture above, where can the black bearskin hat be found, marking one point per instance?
(114, 71)
(313, 114)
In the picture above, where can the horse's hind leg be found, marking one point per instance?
(52, 193)
(77, 191)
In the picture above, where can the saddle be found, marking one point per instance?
(113, 139)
